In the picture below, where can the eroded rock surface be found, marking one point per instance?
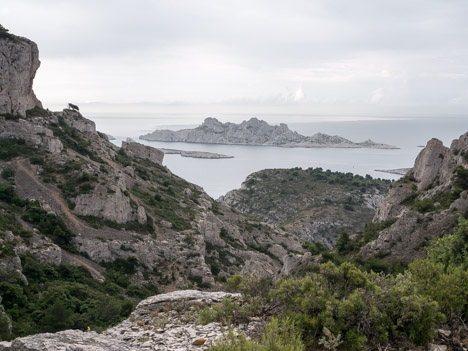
(166, 322)
(425, 204)
(19, 61)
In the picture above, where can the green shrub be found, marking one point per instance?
(7, 174)
(279, 335)
(11, 148)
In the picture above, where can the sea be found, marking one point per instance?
(218, 176)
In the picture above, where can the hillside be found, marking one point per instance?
(69, 196)
(313, 204)
(423, 205)
(255, 132)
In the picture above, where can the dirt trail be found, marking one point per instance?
(56, 196)
(95, 270)
(76, 226)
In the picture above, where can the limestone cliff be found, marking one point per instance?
(255, 132)
(425, 204)
(19, 61)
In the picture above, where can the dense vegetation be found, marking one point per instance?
(57, 298)
(344, 306)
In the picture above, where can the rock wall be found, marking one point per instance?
(19, 61)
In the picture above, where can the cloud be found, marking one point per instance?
(218, 51)
(377, 95)
(299, 94)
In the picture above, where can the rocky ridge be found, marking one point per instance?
(255, 132)
(425, 204)
(164, 322)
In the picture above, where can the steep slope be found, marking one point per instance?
(255, 132)
(425, 204)
(122, 207)
(313, 204)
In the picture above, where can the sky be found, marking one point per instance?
(310, 57)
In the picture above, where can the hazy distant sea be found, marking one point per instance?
(219, 176)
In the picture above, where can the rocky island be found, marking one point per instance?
(256, 132)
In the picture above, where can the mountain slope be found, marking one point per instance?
(313, 204)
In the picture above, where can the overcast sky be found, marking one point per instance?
(394, 57)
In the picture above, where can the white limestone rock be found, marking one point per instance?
(19, 61)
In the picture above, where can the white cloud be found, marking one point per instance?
(299, 94)
(377, 95)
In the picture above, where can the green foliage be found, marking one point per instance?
(425, 205)
(123, 158)
(7, 174)
(361, 307)
(279, 335)
(96, 222)
(48, 224)
(37, 111)
(58, 298)
(72, 139)
(452, 249)
(11, 148)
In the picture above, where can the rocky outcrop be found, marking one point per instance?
(143, 151)
(254, 132)
(425, 204)
(115, 207)
(36, 134)
(161, 322)
(19, 61)
(75, 120)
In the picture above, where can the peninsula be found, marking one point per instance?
(256, 132)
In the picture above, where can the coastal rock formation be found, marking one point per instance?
(19, 61)
(424, 204)
(143, 151)
(254, 132)
(158, 323)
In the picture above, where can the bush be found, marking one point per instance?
(361, 307)
(279, 335)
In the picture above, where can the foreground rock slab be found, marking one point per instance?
(165, 322)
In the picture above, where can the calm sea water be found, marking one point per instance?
(219, 176)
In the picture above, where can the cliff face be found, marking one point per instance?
(425, 204)
(254, 132)
(19, 61)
